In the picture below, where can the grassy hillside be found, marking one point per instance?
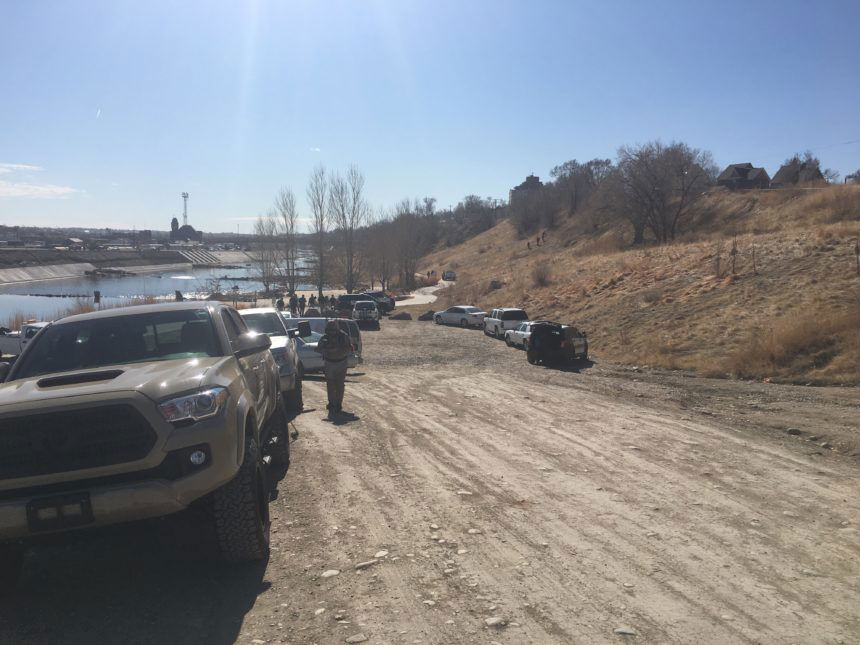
(788, 310)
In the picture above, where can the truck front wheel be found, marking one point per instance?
(240, 510)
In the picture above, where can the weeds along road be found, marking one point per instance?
(493, 501)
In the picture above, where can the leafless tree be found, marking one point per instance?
(288, 222)
(317, 194)
(265, 256)
(379, 249)
(660, 184)
(348, 209)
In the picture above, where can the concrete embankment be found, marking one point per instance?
(78, 270)
(32, 265)
(49, 272)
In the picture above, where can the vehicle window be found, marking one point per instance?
(267, 323)
(317, 324)
(470, 310)
(240, 324)
(514, 314)
(118, 340)
(455, 310)
(230, 325)
(365, 304)
(30, 332)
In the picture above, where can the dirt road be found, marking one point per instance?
(499, 502)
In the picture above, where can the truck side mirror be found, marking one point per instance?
(304, 328)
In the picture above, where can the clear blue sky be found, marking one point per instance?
(109, 110)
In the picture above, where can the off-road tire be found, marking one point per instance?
(11, 563)
(531, 358)
(240, 511)
(277, 446)
(508, 341)
(497, 334)
(294, 399)
(526, 344)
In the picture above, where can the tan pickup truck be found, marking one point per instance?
(134, 413)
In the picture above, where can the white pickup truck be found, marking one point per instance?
(14, 342)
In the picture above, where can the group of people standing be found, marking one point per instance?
(299, 304)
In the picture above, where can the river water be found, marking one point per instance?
(31, 299)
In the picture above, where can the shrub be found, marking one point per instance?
(542, 274)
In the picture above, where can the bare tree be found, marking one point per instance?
(660, 184)
(265, 256)
(348, 210)
(380, 249)
(285, 207)
(317, 194)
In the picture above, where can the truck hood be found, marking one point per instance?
(156, 380)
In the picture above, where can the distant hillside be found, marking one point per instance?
(785, 305)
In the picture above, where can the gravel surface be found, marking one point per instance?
(478, 499)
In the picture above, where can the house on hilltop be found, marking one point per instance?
(797, 171)
(531, 185)
(743, 175)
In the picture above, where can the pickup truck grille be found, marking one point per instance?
(57, 442)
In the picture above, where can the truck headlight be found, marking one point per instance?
(202, 405)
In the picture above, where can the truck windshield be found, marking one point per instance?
(365, 305)
(117, 340)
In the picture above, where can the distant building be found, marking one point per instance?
(185, 233)
(75, 244)
(531, 185)
(795, 172)
(743, 175)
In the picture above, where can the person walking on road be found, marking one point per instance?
(294, 304)
(312, 302)
(335, 347)
(280, 303)
(303, 302)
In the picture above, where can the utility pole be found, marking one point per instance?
(185, 209)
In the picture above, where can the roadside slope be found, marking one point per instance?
(692, 304)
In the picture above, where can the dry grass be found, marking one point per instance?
(816, 346)
(81, 306)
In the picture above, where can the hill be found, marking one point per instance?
(785, 305)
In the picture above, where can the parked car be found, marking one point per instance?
(14, 342)
(502, 319)
(309, 359)
(268, 320)
(519, 335)
(346, 302)
(366, 311)
(462, 315)
(553, 343)
(449, 276)
(140, 412)
(383, 300)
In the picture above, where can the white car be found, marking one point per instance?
(519, 335)
(366, 311)
(310, 360)
(267, 320)
(463, 315)
(14, 342)
(502, 319)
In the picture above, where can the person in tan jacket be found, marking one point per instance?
(335, 347)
